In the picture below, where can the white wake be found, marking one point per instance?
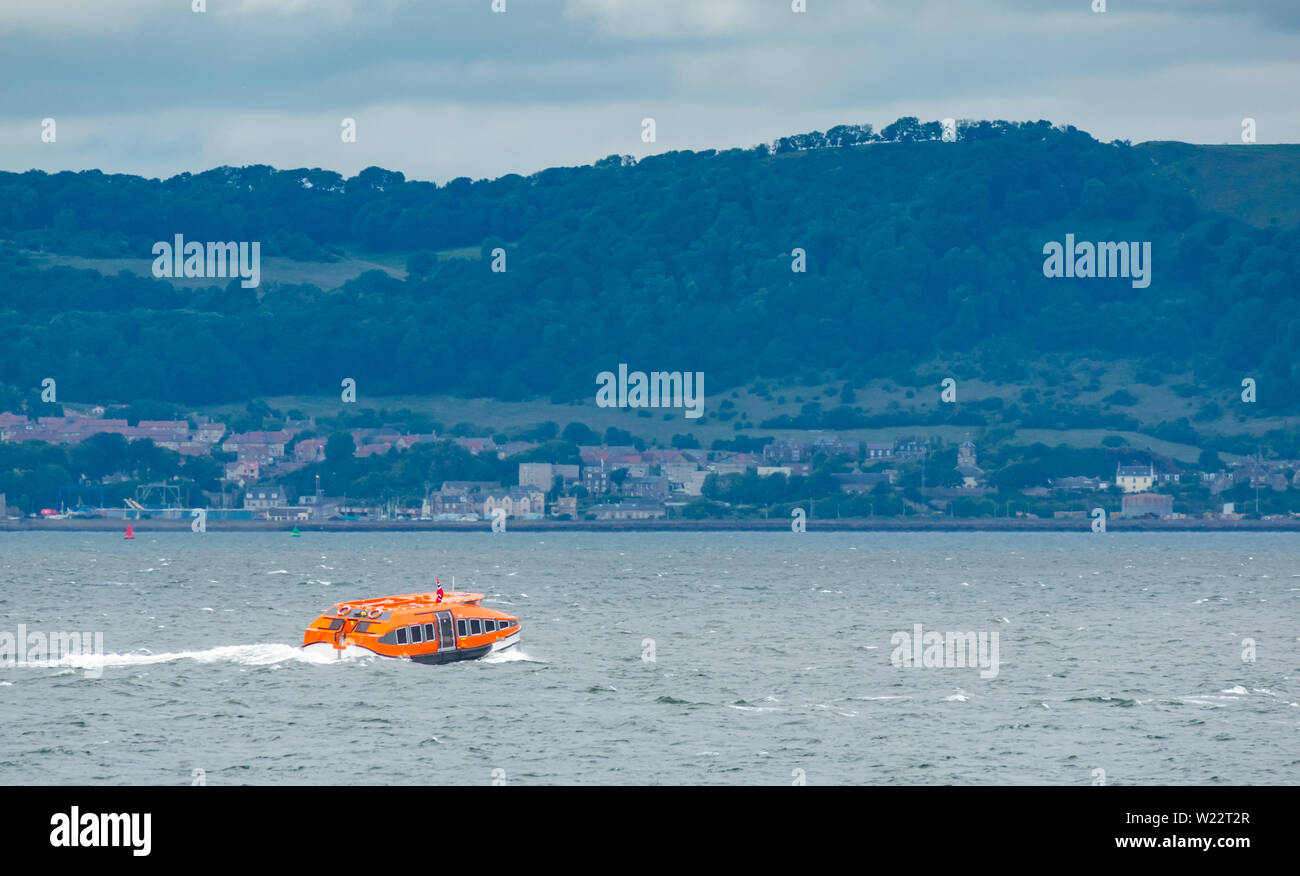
(510, 655)
(246, 655)
(267, 654)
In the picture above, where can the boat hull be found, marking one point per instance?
(509, 641)
(452, 655)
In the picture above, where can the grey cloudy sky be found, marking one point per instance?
(447, 88)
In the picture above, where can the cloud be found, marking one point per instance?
(62, 17)
(675, 19)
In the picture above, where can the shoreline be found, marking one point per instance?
(862, 524)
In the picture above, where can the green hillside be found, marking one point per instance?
(924, 259)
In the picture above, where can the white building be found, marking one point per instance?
(1135, 478)
(517, 502)
(264, 498)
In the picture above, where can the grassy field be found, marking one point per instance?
(324, 275)
(1255, 183)
(1077, 386)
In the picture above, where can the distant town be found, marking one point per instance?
(285, 475)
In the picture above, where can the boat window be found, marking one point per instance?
(401, 635)
(417, 634)
(490, 626)
(475, 627)
(507, 624)
(361, 627)
(460, 628)
(430, 632)
(335, 623)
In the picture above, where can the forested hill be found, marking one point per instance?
(921, 256)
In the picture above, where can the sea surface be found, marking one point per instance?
(663, 658)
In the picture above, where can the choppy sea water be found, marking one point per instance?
(771, 660)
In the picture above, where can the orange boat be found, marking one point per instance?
(416, 626)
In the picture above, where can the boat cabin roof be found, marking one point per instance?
(408, 601)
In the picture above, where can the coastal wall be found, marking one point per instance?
(863, 524)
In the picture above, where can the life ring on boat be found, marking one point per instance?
(374, 613)
(344, 609)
